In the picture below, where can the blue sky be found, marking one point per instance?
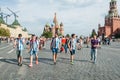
(78, 16)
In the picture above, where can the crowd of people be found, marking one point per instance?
(72, 43)
(63, 44)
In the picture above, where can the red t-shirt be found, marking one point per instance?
(63, 41)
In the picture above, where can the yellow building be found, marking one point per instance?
(14, 29)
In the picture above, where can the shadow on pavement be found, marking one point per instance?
(64, 60)
(46, 61)
(10, 61)
(43, 60)
(67, 59)
(46, 50)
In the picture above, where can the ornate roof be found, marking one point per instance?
(113, 12)
(2, 21)
(16, 22)
(113, 0)
(61, 24)
(55, 20)
(47, 25)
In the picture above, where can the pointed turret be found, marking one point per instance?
(1, 17)
(61, 24)
(113, 12)
(16, 23)
(2, 21)
(47, 25)
(61, 29)
(55, 19)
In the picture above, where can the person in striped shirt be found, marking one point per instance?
(19, 45)
(55, 46)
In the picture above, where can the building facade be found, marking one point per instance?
(14, 29)
(54, 28)
(112, 22)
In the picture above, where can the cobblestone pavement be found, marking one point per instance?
(106, 68)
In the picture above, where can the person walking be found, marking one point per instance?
(80, 42)
(55, 46)
(18, 44)
(87, 41)
(34, 46)
(99, 41)
(63, 41)
(66, 44)
(94, 46)
(72, 47)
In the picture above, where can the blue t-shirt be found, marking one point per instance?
(73, 44)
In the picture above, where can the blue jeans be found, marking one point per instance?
(65, 47)
(94, 54)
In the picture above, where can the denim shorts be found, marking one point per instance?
(32, 52)
(72, 52)
(55, 50)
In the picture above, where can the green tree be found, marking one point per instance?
(4, 32)
(60, 34)
(7, 32)
(93, 33)
(67, 35)
(47, 34)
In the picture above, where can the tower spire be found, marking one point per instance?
(113, 12)
(55, 19)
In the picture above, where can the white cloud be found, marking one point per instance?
(78, 16)
(71, 1)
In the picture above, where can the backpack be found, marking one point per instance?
(69, 42)
(27, 43)
(31, 41)
(78, 41)
(32, 45)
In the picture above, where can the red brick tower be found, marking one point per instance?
(112, 21)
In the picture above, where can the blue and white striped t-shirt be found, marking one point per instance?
(20, 45)
(55, 43)
(73, 43)
(34, 45)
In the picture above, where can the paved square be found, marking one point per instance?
(106, 68)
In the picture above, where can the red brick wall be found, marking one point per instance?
(116, 24)
(108, 31)
(101, 30)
